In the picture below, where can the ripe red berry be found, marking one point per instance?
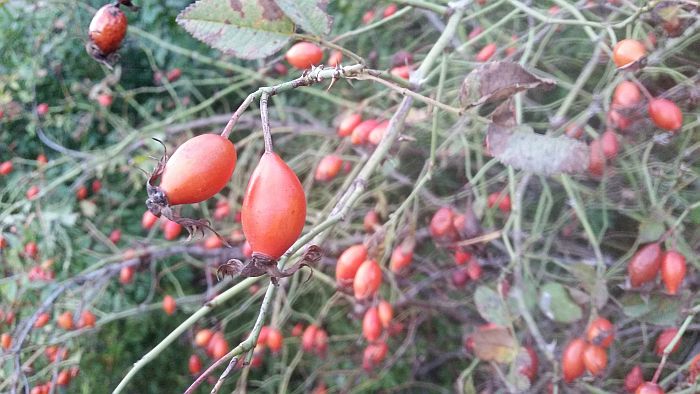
(107, 29)
(665, 114)
(442, 226)
(665, 339)
(171, 230)
(42, 109)
(649, 388)
(368, 16)
(348, 123)
(371, 325)
(328, 168)
(32, 192)
(42, 319)
(595, 358)
(198, 169)
(174, 74)
(5, 340)
(213, 242)
(6, 167)
(628, 51)
(371, 221)
(626, 95)
(348, 263)
(367, 280)
(31, 250)
(169, 305)
(81, 193)
(694, 369)
(220, 348)
(645, 264)
(274, 340)
(373, 355)
(386, 313)
(308, 338)
(274, 207)
(634, 379)
(486, 53)
(115, 236)
(403, 72)
(502, 199)
(194, 364)
(673, 268)
(65, 320)
(572, 360)
(148, 220)
(609, 144)
(335, 58)
(360, 133)
(390, 10)
(87, 319)
(203, 337)
(402, 255)
(126, 275)
(596, 158)
(104, 100)
(601, 332)
(303, 55)
(530, 365)
(297, 330)
(377, 133)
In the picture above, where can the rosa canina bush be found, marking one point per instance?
(353, 196)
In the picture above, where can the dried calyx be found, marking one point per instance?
(260, 264)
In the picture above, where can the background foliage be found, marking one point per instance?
(563, 248)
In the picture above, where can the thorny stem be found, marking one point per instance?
(267, 137)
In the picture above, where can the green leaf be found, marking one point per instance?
(650, 230)
(557, 305)
(656, 308)
(309, 14)
(594, 287)
(490, 306)
(247, 29)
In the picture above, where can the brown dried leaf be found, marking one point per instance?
(494, 343)
(526, 150)
(496, 81)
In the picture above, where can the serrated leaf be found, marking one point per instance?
(526, 150)
(497, 81)
(248, 29)
(556, 303)
(494, 344)
(309, 14)
(656, 308)
(490, 306)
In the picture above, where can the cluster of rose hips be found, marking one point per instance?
(627, 101)
(213, 344)
(649, 260)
